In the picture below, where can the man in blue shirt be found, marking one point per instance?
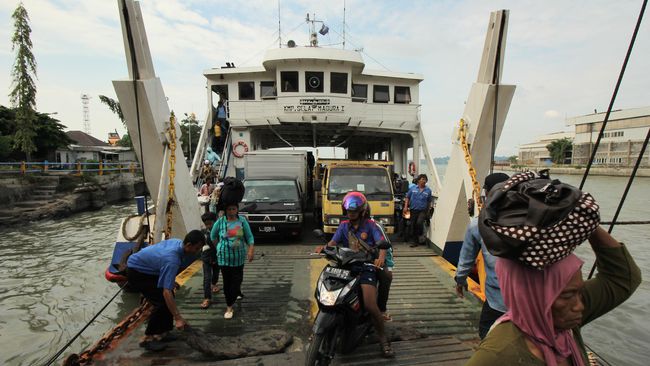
(418, 201)
(152, 271)
(493, 307)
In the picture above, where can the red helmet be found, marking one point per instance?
(354, 201)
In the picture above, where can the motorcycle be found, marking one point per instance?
(342, 321)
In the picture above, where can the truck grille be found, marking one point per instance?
(267, 218)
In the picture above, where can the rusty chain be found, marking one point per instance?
(172, 174)
(476, 186)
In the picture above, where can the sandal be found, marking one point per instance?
(386, 350)
(215, 289)
(206, 304)
(228, 314)
(386, 316)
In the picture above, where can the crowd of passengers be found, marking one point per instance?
(536, 298)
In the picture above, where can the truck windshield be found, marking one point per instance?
(373, 182)
(270, 190)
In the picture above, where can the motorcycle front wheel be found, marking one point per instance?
(316, 353)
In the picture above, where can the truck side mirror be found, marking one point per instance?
(318, 185)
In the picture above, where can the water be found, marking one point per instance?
(51, 281)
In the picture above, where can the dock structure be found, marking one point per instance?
(279, 294)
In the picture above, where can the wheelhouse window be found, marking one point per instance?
(359, 92)
(267, 89)
(314, 81)
(246, 90)
(289, 81)
(380, 94)
(339, 83)
(402, 94)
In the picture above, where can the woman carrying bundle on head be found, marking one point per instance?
(534, 223)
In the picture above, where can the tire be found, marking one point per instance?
(314, 356)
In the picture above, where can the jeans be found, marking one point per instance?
(232, 279)
(161, 319)
(488, 317)
(210, 271)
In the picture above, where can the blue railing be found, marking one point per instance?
(101, 168)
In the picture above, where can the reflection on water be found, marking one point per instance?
(52, 282)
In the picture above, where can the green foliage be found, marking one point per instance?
(513, 159)
(5, 146)
(559, 150)
(114, 106)
(23, 94)
(187, 124)
(125, 141)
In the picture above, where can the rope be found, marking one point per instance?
(53, 358)
(611, 102)
(136, 77)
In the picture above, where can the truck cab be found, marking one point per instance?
(334, 178)
(273, 206)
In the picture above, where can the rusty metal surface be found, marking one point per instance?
(278, 292)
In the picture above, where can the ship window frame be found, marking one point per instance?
(284, 81)
(339, 86)
(358, 98)
(311, 74)
(252, 91)
(402, 98)
(268, 84)
(375, 98)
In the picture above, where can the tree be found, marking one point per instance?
(49, 135)
(559, 149)
(23, 94)
(513, 159)
(189, 124)
(114, 106)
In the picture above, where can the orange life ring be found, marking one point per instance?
(235, 152)
(412, 168)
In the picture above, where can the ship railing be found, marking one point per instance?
(77, 168)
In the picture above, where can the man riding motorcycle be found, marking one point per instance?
(360, 232)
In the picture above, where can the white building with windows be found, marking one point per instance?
(536, 153)
(621, 141)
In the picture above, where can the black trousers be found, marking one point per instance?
(210, 272)
(416, 227)
(488, 317)
(161, 319)
(385, 278)
(232, 279)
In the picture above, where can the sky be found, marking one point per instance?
(564, 57)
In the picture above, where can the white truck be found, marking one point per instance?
(277, 163)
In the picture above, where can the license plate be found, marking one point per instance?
(267, 229)
(338, 272)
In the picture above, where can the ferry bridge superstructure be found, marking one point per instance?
(315, 97)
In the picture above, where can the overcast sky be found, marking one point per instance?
(563, 56)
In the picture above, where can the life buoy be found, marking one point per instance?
(236, 152)
(412, 168)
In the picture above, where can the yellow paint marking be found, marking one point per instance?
(188, 272)
(472, 286)
(315, 268)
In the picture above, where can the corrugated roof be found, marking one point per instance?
(84, 139)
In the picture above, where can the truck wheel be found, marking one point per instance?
(316, 352)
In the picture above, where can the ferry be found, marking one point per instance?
(308, 97)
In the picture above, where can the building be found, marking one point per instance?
(536, 153)
(89, 148)
(621, 141)
(113, 138)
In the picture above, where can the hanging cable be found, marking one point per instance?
(611, 102)
(54, 358)
(495, 80)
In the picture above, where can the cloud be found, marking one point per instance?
(551, 114)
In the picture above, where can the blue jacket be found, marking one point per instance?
(468, 253)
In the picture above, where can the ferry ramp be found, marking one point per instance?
(279, 286)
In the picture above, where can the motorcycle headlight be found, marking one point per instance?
(385, 220)
(334, 221)
(328, 298)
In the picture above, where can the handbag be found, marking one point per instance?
(536, 220)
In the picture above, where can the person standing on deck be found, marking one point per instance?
(220, 126)
(152, 271)
(210, 265)
(493, 306)
(235, 246)
(418, 201)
